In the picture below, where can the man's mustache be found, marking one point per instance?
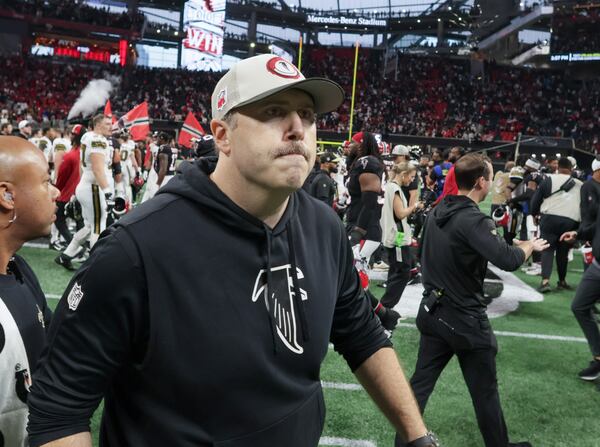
(294, 148)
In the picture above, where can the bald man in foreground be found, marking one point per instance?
(27, 210)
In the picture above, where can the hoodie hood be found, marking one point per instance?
(193, 182)
(449, 206)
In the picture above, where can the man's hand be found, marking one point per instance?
(535, 244)
(539, 244)
(569, 236)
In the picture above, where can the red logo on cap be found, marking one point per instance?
(282, 68)
(221, 99)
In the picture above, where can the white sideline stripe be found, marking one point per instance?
(35, 245)
(521, 335)
(51, 296)
(343, 442)
(341, 386)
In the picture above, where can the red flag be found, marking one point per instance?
(191, 129)
(137, 122)
(108, 112)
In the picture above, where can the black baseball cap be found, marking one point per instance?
(328, 157)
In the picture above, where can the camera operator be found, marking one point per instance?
(458, 242)
(557, 200)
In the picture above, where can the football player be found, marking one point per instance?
(94, 191)
(164, 163)
(149, 166)
(129, 166)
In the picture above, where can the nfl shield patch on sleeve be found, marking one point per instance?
(75, 296)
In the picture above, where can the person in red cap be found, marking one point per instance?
(67, 179)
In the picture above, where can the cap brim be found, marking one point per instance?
(327, 95)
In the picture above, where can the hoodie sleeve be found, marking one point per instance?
(356, 331)
(100, 322)
(483, 238)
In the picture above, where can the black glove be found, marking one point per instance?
(110, 201)
(429, 440)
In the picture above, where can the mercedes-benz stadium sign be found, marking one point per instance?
(343, 20)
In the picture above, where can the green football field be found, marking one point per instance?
(543, 400)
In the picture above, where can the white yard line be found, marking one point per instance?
(521, 335)
(341, 386)
(35, 245)
(344, 442)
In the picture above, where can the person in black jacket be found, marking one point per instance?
(224, 350)
(323, 187)
(587, 294)
(458, 241)
(27, 210)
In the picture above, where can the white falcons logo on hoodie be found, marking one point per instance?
(281, 303)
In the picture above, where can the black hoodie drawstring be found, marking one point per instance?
(299, 302)
(268, 283)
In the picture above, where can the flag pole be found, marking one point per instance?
(300, 54)
(353, 91)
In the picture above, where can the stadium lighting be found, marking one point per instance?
(326, 26)
(176, 33)
(252, 44)
(345, 27)
(439, 20)
(158, 31)
(418, 20)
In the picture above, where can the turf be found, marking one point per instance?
(543, 400)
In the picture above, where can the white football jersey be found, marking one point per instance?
(127, 149)
(45, 146)
(93, 143)
(61, 144)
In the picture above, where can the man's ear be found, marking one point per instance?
(7, 196)
(220, 130)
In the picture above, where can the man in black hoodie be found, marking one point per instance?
(588, 291)
(458, 242)
(225, 350)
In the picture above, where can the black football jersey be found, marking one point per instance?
(171, 153)
(363, 165)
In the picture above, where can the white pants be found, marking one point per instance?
(123, 188)
(151, 186)
(93, 209)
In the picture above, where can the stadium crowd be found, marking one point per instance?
(428, 96)
(78, 12)
(574, 30)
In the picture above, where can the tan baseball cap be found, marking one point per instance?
(259, 77)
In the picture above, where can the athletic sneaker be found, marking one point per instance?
(65, 262)
(592, 372)
(381, 266)
(57, 246)
(562, 285)
(81, 256)
(534, 270)
(544, 288)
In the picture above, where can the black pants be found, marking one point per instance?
(551, 228)
(448, 332)
(398, 276)
(61, 222)
(586, 297)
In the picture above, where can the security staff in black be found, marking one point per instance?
(458, 242)
(323, 187)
